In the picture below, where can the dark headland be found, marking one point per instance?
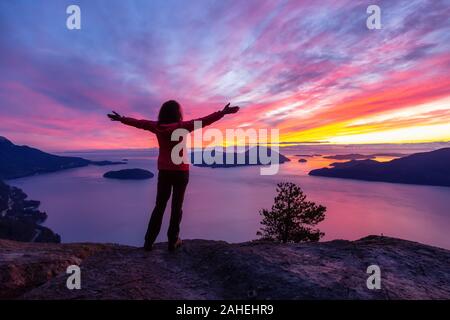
(20, 218)
(426, 168)
(22, 161)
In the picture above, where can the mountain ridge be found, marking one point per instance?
(423, 168)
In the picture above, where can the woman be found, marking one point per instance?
(172, 178)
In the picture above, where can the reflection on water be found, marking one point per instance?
(224, 203)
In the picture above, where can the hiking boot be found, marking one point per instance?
(148, 246)
(174, 245)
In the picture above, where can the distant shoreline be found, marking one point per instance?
(356, 145)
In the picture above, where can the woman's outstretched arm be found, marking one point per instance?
(141, 124)
(209, 119)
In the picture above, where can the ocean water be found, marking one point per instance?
(224, 203)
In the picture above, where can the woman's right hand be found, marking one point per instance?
(228, 110)
(114, 116)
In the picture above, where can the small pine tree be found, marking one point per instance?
(291, 218)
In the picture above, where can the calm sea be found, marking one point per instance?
(224, 204)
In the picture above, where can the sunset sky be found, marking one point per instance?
(309, 68)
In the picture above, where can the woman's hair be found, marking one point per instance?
(170, 112)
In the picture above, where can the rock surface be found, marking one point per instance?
(204, 269)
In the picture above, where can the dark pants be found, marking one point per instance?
(168, 181)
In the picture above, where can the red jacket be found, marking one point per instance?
(163, 133)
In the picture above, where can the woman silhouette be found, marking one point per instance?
(172, 178)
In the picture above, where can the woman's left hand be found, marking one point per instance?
(228, 110)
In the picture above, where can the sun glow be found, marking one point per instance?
(431, 133)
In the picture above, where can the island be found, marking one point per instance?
(308, 155)
(351, 156)
(357, 156)
(129, 174)
(426, 168)
(22, 161)
(20, 218)
(302, 160)
(238, 159)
